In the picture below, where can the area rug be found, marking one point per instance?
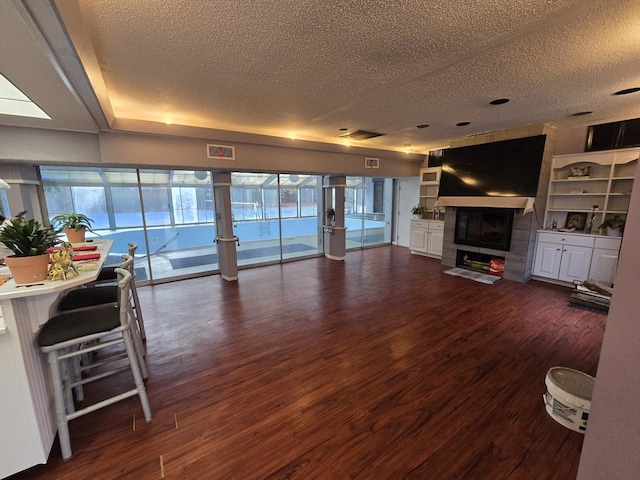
(471, 275)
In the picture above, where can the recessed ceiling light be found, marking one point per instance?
(422, 125)
(627, 91)
(14, 102)
(580, 114)
(499, 101)
(463, 124)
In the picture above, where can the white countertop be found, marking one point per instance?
(10, 290)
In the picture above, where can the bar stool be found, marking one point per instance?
(67, 336)
(86, 299)
(102, 294)
(107, 274)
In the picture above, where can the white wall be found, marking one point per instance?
(611, 449)
(408, 193)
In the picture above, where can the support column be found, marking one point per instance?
(227, 255)
(335, 234)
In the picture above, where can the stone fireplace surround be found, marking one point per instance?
(518, 260)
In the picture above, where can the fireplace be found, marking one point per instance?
(484, 227)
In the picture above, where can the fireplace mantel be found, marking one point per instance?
(525, 203)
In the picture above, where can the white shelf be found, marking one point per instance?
(584, 194)
(611, 176)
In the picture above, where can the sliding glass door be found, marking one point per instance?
(368, 207)
(169, 214)
(179, 220)
(275, 216)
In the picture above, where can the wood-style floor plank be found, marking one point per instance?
(378, 367)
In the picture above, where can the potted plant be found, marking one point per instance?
(74, 225)
(614, 226)
(29, 241)
(419, 210)
(331, 214)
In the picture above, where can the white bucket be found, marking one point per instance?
(568, 397)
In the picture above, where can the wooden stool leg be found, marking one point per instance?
(58, 396)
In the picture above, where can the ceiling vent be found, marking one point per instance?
(361, 135)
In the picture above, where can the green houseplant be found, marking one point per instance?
(29, 241)
(419, 210)
(614, 226)
(74, 225)
(331, 214)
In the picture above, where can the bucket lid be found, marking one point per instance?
(572, 381)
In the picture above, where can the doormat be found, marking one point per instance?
(471, 275)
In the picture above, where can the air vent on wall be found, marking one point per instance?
(371, 163)
(361, 135)
(222, 152)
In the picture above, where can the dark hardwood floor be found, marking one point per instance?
(379, 367)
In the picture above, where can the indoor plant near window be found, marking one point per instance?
(74, 225)
(419, 210)
(29, 241)
(331, 214)
(614, 226)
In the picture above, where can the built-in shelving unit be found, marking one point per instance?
(429, 185)
(427, 234)
(608, 184)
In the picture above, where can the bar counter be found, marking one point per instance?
(27, 419)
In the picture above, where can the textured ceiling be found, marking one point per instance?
(307, 68)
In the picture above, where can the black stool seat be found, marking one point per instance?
(67, 326)
(107, 273)
(88, 297)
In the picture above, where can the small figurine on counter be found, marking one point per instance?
(62, 266)
(554, 224)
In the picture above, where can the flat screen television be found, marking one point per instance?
(497, 169)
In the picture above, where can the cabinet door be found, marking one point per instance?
(435, 241)
(418, 240)
(547, 261)
(604, 264)
(575, 263)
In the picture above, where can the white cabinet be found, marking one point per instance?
(436, 239)
(567, 257)
(547, 259)
(427, 237)
(580, 181)
(604, 261)
(574, 263)
(419, 237)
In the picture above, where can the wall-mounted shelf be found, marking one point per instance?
(429, 185)
(608, 184)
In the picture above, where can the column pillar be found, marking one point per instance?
(227, 255)
(335, 233)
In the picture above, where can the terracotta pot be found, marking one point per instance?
(75, 236)
(31, 269)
